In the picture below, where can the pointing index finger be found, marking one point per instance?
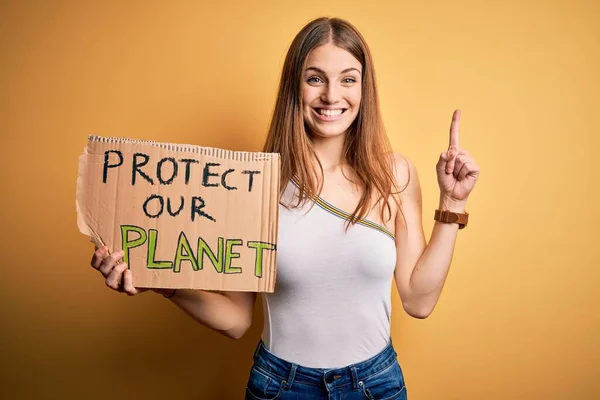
(454, 129)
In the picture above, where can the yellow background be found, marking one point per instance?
(518, 318)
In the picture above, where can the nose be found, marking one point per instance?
(331, 94)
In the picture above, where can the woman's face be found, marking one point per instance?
(331, 90)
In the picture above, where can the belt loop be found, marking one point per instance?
(257, 349)
(290, 379)
(391, 346)
(354, 378)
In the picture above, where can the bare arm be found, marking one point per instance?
(229, 313)
(421, 268)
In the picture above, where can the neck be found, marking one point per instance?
(329, 151)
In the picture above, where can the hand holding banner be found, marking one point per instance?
(186, 216)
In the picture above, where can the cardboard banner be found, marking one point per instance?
(186, 216)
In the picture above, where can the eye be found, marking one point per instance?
(314, 80)
(349, 80)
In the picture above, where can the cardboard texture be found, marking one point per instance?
(186, 216)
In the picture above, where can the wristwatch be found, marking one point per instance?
(450, 217)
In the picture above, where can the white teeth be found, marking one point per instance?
(330, 113)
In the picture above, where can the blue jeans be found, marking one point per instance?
(378, 378)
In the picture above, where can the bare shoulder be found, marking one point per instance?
(409, 214)
(406, 175)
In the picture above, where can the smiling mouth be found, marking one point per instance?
(330, 113)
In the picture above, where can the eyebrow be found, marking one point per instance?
(319, 70)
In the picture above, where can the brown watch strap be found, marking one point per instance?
(450, 217)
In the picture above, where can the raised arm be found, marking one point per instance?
(421, 267)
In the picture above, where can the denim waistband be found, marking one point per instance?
(351, 374)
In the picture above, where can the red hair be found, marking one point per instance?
(366, 149)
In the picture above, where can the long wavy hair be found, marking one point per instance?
(366, 149)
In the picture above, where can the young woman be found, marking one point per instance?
(350, 224)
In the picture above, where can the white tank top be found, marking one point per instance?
(332, 301)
